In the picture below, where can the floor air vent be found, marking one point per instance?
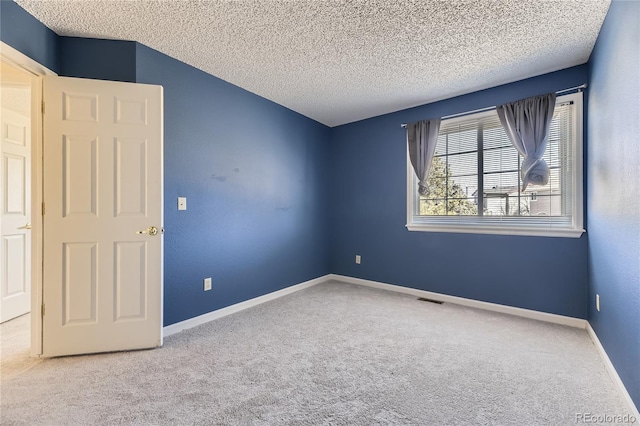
(424, 299)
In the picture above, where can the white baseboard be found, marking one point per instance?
(210, 316)
(527, 313)
(613, 373)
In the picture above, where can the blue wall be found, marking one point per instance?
(368, 217)
(254, 174)
(25, 33)
(613, 196)
(100, 59)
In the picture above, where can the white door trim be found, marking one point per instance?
(22, 61)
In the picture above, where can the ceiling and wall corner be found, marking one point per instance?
(99, 59)
(26, 34)
(343, 61)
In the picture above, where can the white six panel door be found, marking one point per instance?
(102, 187)
(15, 248)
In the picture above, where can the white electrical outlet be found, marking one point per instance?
(207, 284)
(598, 302)
(358, 259)
(182, 203)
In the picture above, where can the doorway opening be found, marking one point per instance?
(15, 184)
(20, 190)
(16, 109)
(124, 312)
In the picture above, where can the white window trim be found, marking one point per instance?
(474, 225)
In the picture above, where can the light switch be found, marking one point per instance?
(182, 203)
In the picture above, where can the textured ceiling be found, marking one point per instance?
(339, 61)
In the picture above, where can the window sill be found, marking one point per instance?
(494, 230)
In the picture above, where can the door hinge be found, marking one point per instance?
(43, 107)
(43, 309)
(43, 208)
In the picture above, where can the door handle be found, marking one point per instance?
(27, 226)
(152, 230)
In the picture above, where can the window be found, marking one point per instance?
(475, 184)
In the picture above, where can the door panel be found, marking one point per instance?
(15, 181)
(15, 197)
(13, 266)
(80, 281)
(131, 177)
(80, 175)
(102, 186)
(130, 268)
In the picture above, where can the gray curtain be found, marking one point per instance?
(527, 124)
(421, 140)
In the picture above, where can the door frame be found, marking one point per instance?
(38, 71)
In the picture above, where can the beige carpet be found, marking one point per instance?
(332, 354)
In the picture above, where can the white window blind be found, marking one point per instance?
(475, 183)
